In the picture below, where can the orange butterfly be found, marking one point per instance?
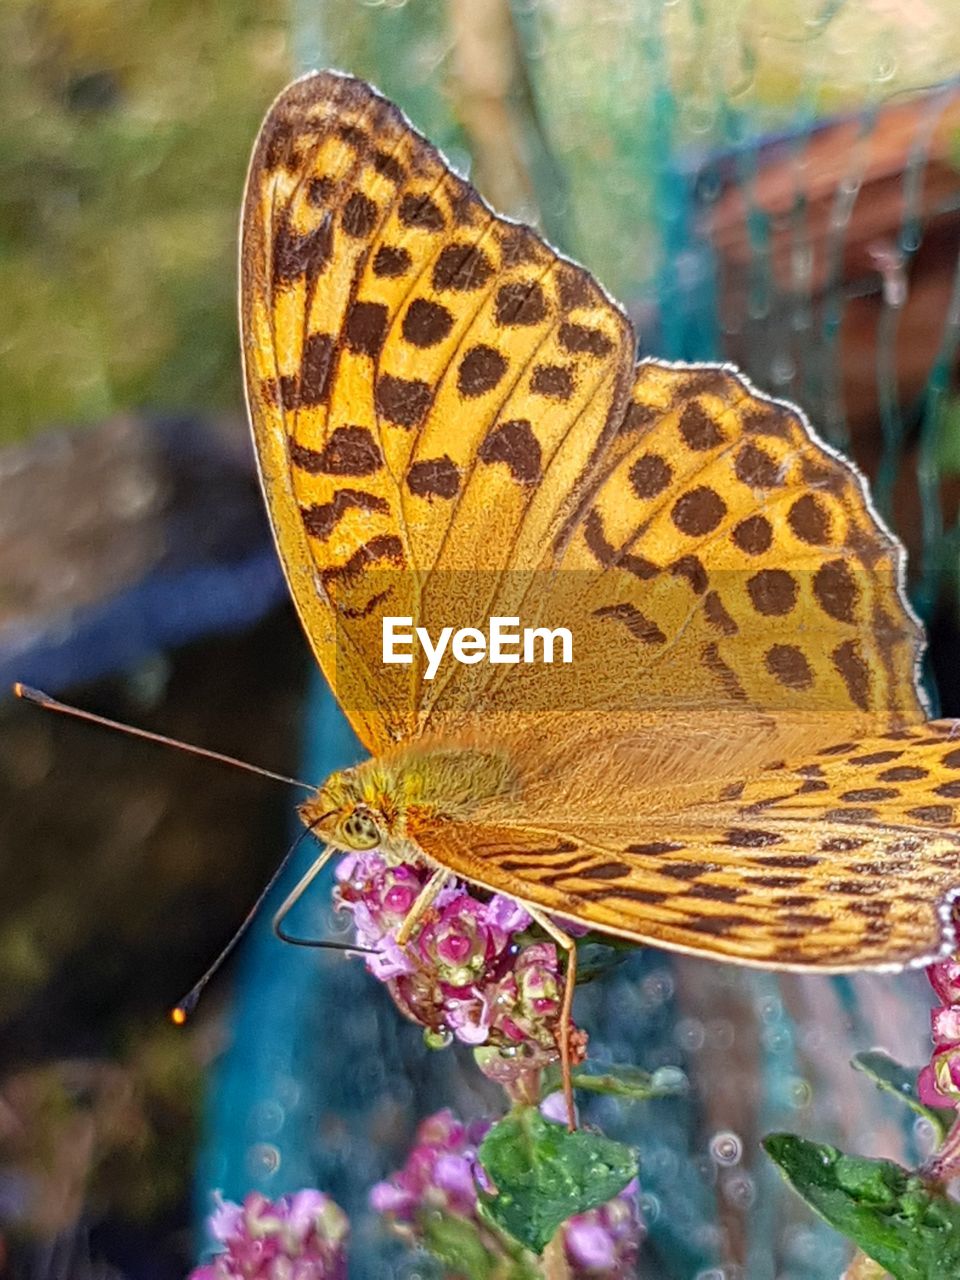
(451, 427)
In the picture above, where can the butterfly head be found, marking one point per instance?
(345, 814)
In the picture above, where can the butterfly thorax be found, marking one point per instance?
(379, 803)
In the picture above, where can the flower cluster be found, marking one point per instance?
(440, 1172)
(298, 1237)
(467, 972)
(441, 1178)
(939, 1082)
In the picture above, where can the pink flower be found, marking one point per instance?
(588, 1245)
(554, 1107)
(386, 1198)
(468, 1015)
(461, 942)
(506, 915)
(442, 1174)
(945, 1024)
(464, 973)
(528, 998)
(438, 1174)
(302, 1235)
(945, 979)
(604, 1243)
(939, 1083)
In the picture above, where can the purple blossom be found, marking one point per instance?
(605, 1242)
(945, 980)
(554, 1107)
(443, 1174)
(465, 972)
(298, 1237)
(588, 1245)
(939, 1083)
(438, 1174)
(507, 915)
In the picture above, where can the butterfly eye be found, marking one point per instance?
(360, 831)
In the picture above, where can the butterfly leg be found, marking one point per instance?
(566, 1009)
(422, 905)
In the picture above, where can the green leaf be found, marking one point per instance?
(893, 1216)
(893, 1078)
(595, 959)
(457, 1243)
(544, 1174)
(621, 1082)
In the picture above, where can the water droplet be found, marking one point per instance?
(782, 369)
(769, 1008)
(925, 1135)
(690, 1034)
(288, 1092)
(148, 683)
(439, 1038)
(720, 1033)
(910, 238)
(740, 1190)
(700, 117)
(267, 1118)
(726, 1147)
(758, 305)
(263, 1160)
(774, 1039)
(850, 184)
(708, 1237)
(885, 67)
(708, 186)
(669, 1078)
(657, 987)
(649, 1208)
(799, 1092)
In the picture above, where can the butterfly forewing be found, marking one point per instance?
(429, 385)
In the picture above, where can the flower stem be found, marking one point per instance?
(944, 1165)
(555, 1264)
(864, 1268)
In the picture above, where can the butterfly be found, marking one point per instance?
(451, 426)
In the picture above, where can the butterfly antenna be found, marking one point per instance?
(40, 699)
(185, 1007)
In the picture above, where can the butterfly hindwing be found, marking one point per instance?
(724, 557)
(844, 862)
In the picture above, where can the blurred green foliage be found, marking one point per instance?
(126, 125)
(126, 129)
